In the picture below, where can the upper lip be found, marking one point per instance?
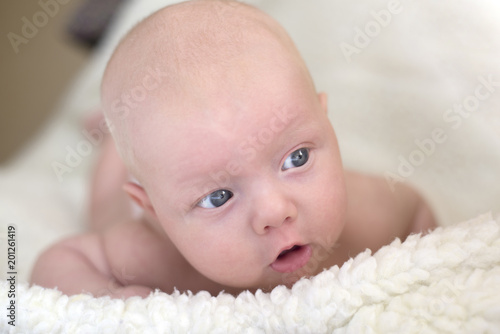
(287, 248)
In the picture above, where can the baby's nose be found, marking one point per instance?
(272, 208)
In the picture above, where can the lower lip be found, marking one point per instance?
(293, 261)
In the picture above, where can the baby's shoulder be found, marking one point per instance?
(375, 190)
(129, 236)
(378, 211)
(135, 252)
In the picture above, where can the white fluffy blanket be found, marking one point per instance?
(394, 81)
(447, 281)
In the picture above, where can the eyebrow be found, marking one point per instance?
(219, 174)
(204, 177)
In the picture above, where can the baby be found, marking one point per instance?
(235, 164)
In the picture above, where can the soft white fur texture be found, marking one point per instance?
(445, 282)
(383, 100)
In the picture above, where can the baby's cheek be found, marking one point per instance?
(215, 255)
(232, 271)
(331, 205)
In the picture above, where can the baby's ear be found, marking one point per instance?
(323, 100)
(139, 196)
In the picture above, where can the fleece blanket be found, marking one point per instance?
(414, 96)
(445, 282)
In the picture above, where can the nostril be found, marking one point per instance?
(272, 214)
(287, 219)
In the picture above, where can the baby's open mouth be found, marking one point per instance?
(287, 251)
(292, 259)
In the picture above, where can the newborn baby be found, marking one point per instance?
(235, 164)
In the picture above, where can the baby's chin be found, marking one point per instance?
(300, 261)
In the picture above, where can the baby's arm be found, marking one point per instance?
(79, 265)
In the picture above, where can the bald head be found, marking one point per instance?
(189, 51)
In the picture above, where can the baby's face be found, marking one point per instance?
(243, 173)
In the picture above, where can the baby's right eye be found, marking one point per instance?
(215, 199)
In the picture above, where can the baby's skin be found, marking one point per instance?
(236, 167)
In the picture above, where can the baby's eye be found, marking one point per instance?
(215, 199)
(296, 158)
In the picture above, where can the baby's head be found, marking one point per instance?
(214, 112)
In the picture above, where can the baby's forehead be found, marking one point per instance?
(218, 56)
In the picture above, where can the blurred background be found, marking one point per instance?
(34, 78)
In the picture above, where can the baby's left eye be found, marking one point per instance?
(215, 199)
(296, 159)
